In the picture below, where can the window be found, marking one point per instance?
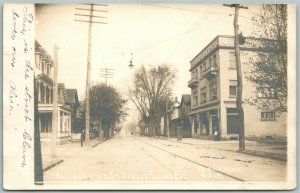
(213, 91)
(261, 61)
(42, 91)
(43, 66)
(48, 70)
(214, 61)
(204, 67)
(195, 98)
(267, 92)
(210, 63)
(232, 64)
(261, 58)
(38, 91)
(267, 116)
(201, 70)
(232, 88)
(196, 73)
(232, 91)
(37, 61)
(203, 95)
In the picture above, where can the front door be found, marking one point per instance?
(215, 123)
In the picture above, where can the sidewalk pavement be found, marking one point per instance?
(271, 151)
(63, 151)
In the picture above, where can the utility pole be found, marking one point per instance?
(106, 73)
(87, 93)
(239, 76)
(55, 103)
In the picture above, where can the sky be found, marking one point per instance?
(155, 34)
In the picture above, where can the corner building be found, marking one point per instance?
(213, 86)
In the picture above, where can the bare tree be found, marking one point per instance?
(151, 90)
(268, 70)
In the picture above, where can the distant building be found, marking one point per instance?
(185, 109)
(44, 83)
(213, 94)
(179, 117)
(73, 102)
(174, 118)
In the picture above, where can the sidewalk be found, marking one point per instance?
(63, 151)
(271, 151)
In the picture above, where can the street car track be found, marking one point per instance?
(152, 157)
(194, 162)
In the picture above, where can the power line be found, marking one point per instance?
(210, 12)
(183, 9)
(106, 73)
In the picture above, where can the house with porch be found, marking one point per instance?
(44, 82)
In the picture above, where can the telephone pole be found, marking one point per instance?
(106, 73)
(55, 103)
(90, 18)
(239, 76)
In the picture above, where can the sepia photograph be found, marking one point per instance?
(150, 96)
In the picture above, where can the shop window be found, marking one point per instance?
(232, 121)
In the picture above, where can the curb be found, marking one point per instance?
(53, 164)
(268, 155)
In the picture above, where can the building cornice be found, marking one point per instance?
(205, 107)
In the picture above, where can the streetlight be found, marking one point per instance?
(130, 62)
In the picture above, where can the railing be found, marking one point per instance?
(210, 72)
(193, 82)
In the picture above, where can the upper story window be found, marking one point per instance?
(214, 61)
(267, 93)
(43, 65)
(195, 98)
(195, 73)
(204, 67)
(267, 116)
(213, 91)
(37, 61)
(210, 63)
(232, 64)
(203, 95)
(48, 67)
(232, 88)
(201, 70)
(261, 60)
